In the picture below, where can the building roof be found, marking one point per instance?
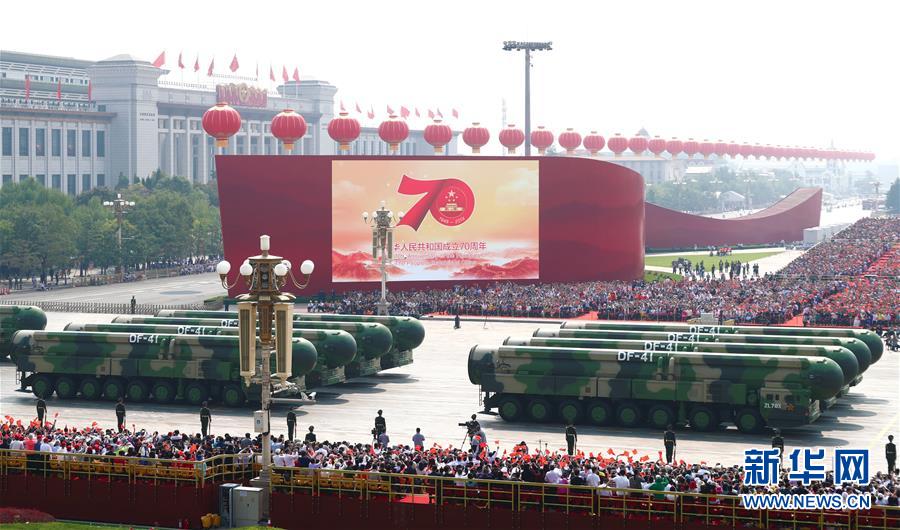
(43, 60)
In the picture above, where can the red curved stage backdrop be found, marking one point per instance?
(469, 219)
(783, 221)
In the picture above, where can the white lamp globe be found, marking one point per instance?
(246, 269)
(280, 270)
(365, 216)
(307, 267)
(223, 267)
(287, 263)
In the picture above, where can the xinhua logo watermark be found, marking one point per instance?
(762, 467)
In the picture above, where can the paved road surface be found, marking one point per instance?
(190, 289)
(434, 393)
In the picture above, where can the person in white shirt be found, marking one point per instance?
(278, 459)
(552, 476)
(620, 481)
(45, 446)
(592, 479)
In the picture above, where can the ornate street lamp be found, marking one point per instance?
(264, 305)
(383, 224)
(120, 206)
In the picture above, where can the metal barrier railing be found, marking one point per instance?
(102, 307)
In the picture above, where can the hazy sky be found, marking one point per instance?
(780, 72)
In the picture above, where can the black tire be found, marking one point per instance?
(113, 388)
(570, 410)
(629, 414)
(704, 418)
(66, 387)
(660, 416)
(42, 386)
(749, 420)
(233, 395)
(196, 392)
(163, 392)
(138, 390)
(539, 410)
(510, 408)
(599, 412)
(90, 388)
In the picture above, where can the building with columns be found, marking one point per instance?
(75, 125)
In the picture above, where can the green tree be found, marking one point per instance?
(892, 199)
(95, 236)
(160, 228)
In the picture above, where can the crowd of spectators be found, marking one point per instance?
(607, 473)
(850, 252)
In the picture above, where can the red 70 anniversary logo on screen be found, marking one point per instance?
(450, 201)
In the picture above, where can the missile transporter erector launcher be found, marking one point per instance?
(334, 348)
(18, 317)
(141, 367)
(632, 388)
(407, 332)
(373, 340)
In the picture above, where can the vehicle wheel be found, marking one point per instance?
(539, 409)
(570, 410)
(163, 392)
(510, 408)
(749, 420)
(137, 391)
(628, 414)
(600, 412)
(66, 388)
(703, 418)
(660, 416)
(113, 389)
(90, 388)
(196, 392)
(233, 395)
(42, 386)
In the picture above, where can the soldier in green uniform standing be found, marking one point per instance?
(310, 436)
(205, 419)
(670, 443)
(41, 411)
(292, 422)
(120, 414)
(571, 438)
(890, 453)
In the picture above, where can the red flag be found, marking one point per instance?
(90, 98)
(404, 112)
(358, 110)
(371, 113)
(271, 73)
(610, 452)
(28, 93)
(212, 65)
(634, 451)
(296, 76)
(284, 74)
(234, 64)
(417, 113)
(645, 458)
(161, 60)
(197, 63)
(58, 89)
(430, 114)
(390, 110)
(455, 113)
(180, 62)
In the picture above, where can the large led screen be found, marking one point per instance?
(464, 219)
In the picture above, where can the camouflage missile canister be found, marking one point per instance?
(872, 340)
(138, 366)
(842, 356)
(704, 389)
(17, 317)
(859, 348)
(335, 348)
(373, 341)
(408, 333)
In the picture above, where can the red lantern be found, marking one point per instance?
(511, 138)
(691, 147)
(570, 141)
(343, 130)
(721, 149)
(637, 144)
(746, 151)
(438, 135)
(221, 122)
(656, 145)
(288, 126)
(393, 131)
(733, 149)
(769, 151)
(476, 137)
(674, 147)
(541, 138)
(594, 143)
(617, 144)
(707, 148)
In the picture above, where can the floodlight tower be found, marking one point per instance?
(527, 47)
